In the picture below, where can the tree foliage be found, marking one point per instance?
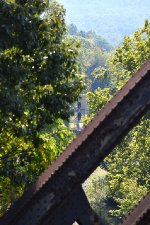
(97, 189)
(33, 49)
(128, 164)
(39, 81)
(91, 55)
(97, 39)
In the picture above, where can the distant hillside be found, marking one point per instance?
(94, 51)
(112, 19)
(96, 39)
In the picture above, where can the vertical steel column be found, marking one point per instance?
(75, 208)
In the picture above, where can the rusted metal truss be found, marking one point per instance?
(57, 197)
(140, 214)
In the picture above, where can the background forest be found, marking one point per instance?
(45, 65)
(112, 19)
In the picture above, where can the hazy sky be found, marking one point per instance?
(120, 17)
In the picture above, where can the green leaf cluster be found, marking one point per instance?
(128, 164)
(39, 81)
(97, 189)
(90, 57)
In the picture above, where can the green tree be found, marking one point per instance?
(128, 164)
(39, 81)
(93, 52)
(97, 189)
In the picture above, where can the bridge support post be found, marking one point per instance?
(75, 208)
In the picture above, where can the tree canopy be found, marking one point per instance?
(128, 165)
(39, 81)
(93, 52)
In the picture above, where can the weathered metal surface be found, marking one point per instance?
(75, 208)
(145, 219)
(140, 214)
(84, 154)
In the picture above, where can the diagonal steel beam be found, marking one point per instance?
(84, 154)
(75, 208)
(140, 214)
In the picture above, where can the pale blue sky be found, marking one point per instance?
(107, 17)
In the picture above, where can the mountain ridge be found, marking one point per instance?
(112, 19)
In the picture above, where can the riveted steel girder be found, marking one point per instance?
(84, 154)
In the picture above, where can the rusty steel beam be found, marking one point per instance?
(84, 154)
(75, 208)
(145, 219)
(140, 215)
